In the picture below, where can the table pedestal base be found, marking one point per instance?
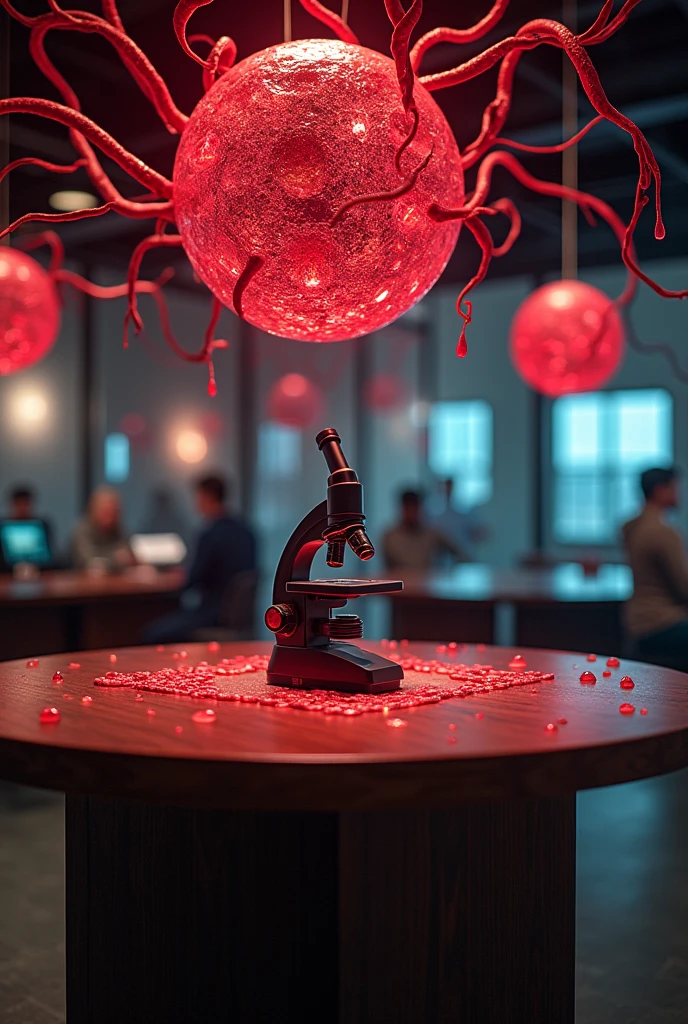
(408, 917)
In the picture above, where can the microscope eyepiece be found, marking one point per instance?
(330, 444)
(360, 544)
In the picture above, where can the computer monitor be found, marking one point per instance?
(24, 540)
(158, 549)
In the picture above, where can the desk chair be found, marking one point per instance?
(238, 613)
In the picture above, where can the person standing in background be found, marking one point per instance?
(462, 526)
(99, 542)
(656, 616)
(226, 547)
(412, 545)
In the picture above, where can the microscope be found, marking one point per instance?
(312, 649)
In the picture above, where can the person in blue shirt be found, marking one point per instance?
(226, 547)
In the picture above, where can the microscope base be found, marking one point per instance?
(337, 666)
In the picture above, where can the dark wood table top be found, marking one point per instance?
(69, 587)
(257, 757)
(566, 583)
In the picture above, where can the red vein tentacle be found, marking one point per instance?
(495, 113)
(182, 14)
(459, 35)
(507, 207)
(114, 291)
(332, 20)
(478, 64)
(220, 59)
(56, 218)
(96, 173)
(253, 265)
(23, 19)
(484, 240)
(151, 242)
(559, 147)
(94, 133)
(210, 343)
(382, 197)
(404, 23)
(599, 34)
(34, 161)
(111, 14)
(142, 70)
(53, 241)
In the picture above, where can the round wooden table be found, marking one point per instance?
(296, 867)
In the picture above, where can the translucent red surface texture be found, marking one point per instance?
(295, 401)
(271, 153)
(29, 311)
(567, 336)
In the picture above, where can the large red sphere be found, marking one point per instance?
(295, 401)
(567, 336)
(29, 311)
(268, 157)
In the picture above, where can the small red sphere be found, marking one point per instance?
(29, 311)
(567, 336)
(384, 392)
(295, 401)
(268, 157)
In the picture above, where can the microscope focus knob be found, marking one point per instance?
(343, 627)
(282, 618)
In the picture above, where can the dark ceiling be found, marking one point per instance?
(644, 69)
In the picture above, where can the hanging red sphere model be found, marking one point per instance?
(29, 311)
(567, 336)
(384, 392)
(295, 401)
(267, 159)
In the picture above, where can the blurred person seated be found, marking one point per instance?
(656, 616)
(22, 507)
(226, 548)
(99, 542)
(164, 514)
(462, 526)
(413, 545)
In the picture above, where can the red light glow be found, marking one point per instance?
(295, 401)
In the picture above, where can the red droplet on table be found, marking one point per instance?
(588, 678)
(206, 717)
(518, 661)
(626, 709)
(49, 716)
(626, 683)
(613, 662)
(591, 657)
(58, 677)
(32, 663)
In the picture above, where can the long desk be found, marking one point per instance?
(558, 609)
(67, 611)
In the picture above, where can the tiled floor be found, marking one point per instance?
(632, 905)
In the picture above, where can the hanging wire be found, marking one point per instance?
(287, 21)
(345, 11)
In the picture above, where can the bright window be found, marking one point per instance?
(601, 443)
(116, 458)
(279, 451)
(461, 447)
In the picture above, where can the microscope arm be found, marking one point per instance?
(299, 551)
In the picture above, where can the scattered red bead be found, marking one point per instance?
(206, 717)
(139, 696)
(613, 662)
(58, 678)
(562, 721)
(113, 658)
(481, 647)
(178, 729)
(150, 712)
(606, 673)
(452, 726)
(67, 696)
(588, 678)
(213, 646)
(643, 711)
(160, 647)
(518, 661)
(49, 716)
(591, 657)
(626, 683)
(32, 663)
(74, 664)
(480, 715)
(87, 700)
(397, 723)
(626, 709)
(550, 727)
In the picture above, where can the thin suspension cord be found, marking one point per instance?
(287, 21)
(345, 11)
